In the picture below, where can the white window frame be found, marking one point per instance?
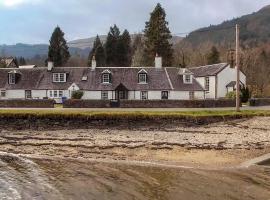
(3, 93)
(207, 83)
(188, 78)
(162, 95)
(143, 78)
(104, 95)
(106, 78)
(28, 94)
(59, 77)
(144, 95)
(11, 78)
(56, 93)
(191, 95)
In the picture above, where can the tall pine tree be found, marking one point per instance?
(213, 57)
(111, 46)
(124, 50)
(58, 49)
(99, 53)
(157, 36)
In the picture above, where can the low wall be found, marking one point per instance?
(177, 103)
(151, 103)
(31, 103)
(75, 103)
(259, 102)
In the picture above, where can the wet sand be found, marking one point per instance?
(202, 162)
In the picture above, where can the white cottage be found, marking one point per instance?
(217, 79)
(106, 83)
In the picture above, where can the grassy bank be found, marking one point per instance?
(130, 114)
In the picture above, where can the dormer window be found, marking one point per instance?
(142, 77)
(12, 78)
(106, 77)
(188, 79)
(59, 77)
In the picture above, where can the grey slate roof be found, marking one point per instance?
(208, 70)
(41, 79)
(178, 84)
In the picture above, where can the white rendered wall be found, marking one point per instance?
(212, 86)
(224, 78)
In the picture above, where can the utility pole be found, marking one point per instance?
(237, 70)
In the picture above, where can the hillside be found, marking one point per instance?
(29, 51)
(254, 29)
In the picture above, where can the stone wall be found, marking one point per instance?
(150, 103)
(75, 103)
(17, 103)
(259, 102)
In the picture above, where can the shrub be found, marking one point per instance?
(77, 94)
(245, 95)
(231, 95)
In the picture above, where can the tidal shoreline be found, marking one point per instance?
(223, 144)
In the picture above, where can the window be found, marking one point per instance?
(3, 93)
(60, 93)
(55, 93)
(28, 94)
(104, 95)
(106, 78)
(164, 95)
(207, 83)
(187, 78)
(59, 77)
(142, 78)
(11, 78)
(144, 95)
(191, 95)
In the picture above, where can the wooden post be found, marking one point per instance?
(237, 71)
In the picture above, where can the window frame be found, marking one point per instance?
(106, 78)
(28, 94)
(12, 78)
(144, 95)
(144, 75)
(3, 92)
(191, 95)
(207, 83)
(167, 96)
(188, 80)
(104, 95)
(59, 77)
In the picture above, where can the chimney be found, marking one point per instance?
(50, 65)
(158, 62)
(94, 63)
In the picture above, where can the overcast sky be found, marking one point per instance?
(32, 21)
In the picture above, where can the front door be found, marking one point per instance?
(121, 94)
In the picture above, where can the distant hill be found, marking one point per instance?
(254, 29)
(88, 42)
(29, 51)
(80, 47)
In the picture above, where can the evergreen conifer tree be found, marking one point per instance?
(213, 57)
(58, 49)
(124, 50)
(111, 46)
(99, 53)
(157, 36)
